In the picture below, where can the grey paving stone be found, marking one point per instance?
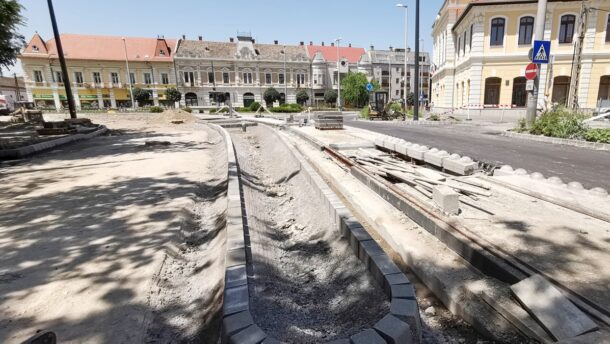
(236, 300)
(270, 341)
(340, 341)
(382, 265)
(236, 322)
(236, 276)
(250, 335)
(407, 311)
(367, 337)
(403, 291)
(235, 257)
(368, 249)
(394, 330)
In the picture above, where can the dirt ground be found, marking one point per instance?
(308, 287)
(92, 235)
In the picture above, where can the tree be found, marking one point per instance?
(271, 95)
(353, 89)
(173, 95)
(11, 41)
(141, 96)
(411, 99)
(330, 96)
(302, 97)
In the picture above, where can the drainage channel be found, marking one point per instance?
(314, 275)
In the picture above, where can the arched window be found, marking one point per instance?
(604, 88)
(248, 99)
(561, 90)
(519, 92)
(190, 99)
(496, 37)
(526, 30)
(566, 28)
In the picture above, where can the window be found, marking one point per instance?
(566, 28)
(132, 78)
(97, 78)
(526, 30)
(147, 78)
(225, 77)
(268, 78)
(608, 30)
(35, 48)
(397, 80)
(459, 46)
(161, 52)
(281, 78)
(114, 77)
(189, 77)
(59, 77)
(164, 78)
(78, 77)
(300, 79)
(471, 34)
(38, 76)
(247, 78)
(497, 32)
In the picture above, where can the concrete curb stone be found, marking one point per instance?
(554, 140)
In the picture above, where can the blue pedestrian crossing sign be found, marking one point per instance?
(542, 52)
(369, 87)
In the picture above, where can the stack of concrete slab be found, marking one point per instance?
(329, 121)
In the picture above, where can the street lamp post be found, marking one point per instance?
(338, 40)
(406, 44)
(416, 110)
(133, 103)
(421, 78)
(285, 79)
(62, 62)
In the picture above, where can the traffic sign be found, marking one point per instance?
(531, 71)
(529, 85)
(369, 87)
(542, 52)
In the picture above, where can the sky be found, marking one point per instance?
(360, 22)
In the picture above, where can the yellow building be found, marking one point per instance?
(481, 51)
(97, 68)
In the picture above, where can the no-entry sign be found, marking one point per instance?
(531, 71)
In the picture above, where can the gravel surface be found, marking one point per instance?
(308, 287)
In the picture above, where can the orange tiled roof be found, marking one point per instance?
(330, 53)
(90, 47)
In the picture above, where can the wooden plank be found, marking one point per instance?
(557, 315)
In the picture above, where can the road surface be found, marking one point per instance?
(482, 143)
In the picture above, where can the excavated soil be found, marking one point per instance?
(306, 284)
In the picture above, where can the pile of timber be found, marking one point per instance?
(419, 178)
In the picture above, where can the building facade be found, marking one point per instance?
(481, 50)
(97, 68)
(387, 67)
(13, 88)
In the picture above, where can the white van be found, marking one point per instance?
(4, 105)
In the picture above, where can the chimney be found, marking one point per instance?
(322, 43)
(349, 45)
(302, 43)
(275, 42)
(332, 44)
(183, 37)
(231, 39)
(200, 38)
(310, 42)
(372, 47)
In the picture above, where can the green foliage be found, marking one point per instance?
(173, 95)
(559, 122)
(598, 135)
(221, 110)
(254, 106)
(187, 109)
(521, 125)
(271, 95)
(141, 95)
(156, 109)
(411, 99)
(302, 97)
(330, 96)
(287, 108)
(11, 41)
(365, 112)
(353, 89)
(396, 107)
(434, 117)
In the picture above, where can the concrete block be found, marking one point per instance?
(446, 199)
(403, 291)
(417, 152)
(402, 148)
(346, 224)
(236, 322)
(236, 276)
(379, 142)
(394, 330)
(250, 335)
(235, 257)
(367, 249)
(382, 265)
(236, 300)
(394, 279)
(463, 166)
(407, 311)
(435, 157)
(270, 341)
(340, 341)
(389, 144)
(505, 170)
(367, 337)
(357, 235)
(555, 312)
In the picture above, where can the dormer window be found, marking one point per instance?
(161, 52)
(35, 48)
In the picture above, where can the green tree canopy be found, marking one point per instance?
(173, 95)
(141, 95)
(271, 95)
(330, 96)
(411, 99)
(353, 89)
(302, 97)
(11, 41)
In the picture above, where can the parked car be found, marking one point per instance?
(4, 106)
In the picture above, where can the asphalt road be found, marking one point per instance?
(589, 167)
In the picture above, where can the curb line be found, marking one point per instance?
(558, 141)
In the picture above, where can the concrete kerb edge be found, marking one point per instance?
(558, 141)
(22, 152)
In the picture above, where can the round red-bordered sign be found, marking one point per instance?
(531, 71)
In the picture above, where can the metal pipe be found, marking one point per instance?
(133, 103)
(62, 61)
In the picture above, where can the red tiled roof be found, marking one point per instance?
(330, 53)
(89, 47)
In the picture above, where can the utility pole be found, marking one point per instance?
(285, 79)
(416, 110)
(577, 58)
(532, 96)
(406, 53)
(133, 103)
(338, 40)
(17, 93)
(62, 61)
